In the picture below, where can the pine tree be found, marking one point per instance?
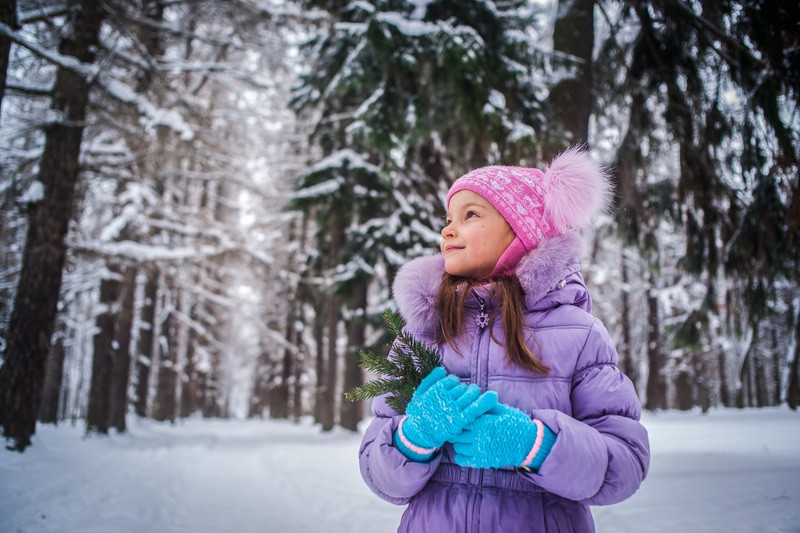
(404, 97)
(401, 370)
(709, 88)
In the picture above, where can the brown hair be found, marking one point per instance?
(453, 293)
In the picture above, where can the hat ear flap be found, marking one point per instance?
(575, 189)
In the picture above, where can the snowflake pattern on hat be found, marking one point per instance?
(516, 194)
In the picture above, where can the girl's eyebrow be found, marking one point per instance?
(470, 204)
(466, 206)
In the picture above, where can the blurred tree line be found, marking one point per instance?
(204, 202)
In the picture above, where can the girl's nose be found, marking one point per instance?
(448, 230)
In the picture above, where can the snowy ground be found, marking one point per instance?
(728, 471)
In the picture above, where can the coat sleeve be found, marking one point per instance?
(386, 471)
(602, 452)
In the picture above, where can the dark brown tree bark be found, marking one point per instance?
(319, 359)
(793, 385)
(656, 380)
(684, 399)
(724, 388)
(571, 100)
(51, 391)
(279, 392)
(98, 409)
(33, 317)
(333, 315)
(351, 413)
(108, 393)
(121, 354)
(297, 378)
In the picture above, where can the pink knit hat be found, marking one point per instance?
(537, 204)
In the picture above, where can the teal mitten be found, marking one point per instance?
(439, 409)
(504, 436)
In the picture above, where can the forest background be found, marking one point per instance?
(204, 202)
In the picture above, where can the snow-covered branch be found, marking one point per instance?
(145, 253)
(87, 71)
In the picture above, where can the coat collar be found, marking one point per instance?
(549, 275)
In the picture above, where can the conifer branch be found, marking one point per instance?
(401, 370)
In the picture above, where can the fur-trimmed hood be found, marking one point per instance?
(549, 275)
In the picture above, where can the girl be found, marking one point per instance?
(548, 425)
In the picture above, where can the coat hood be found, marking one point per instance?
(549, 275)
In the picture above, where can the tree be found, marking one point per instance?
(32, 321)
(404, 97)
(571, 99)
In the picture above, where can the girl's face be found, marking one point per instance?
(474, 237)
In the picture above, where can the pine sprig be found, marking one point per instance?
(401, 370)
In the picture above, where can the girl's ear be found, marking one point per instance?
(575, 189)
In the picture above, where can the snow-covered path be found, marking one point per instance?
(728, 471)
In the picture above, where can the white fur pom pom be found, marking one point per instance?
(576, 189)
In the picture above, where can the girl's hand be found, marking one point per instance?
(438, 411)
(504, 436)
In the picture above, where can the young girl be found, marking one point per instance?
(530, 421)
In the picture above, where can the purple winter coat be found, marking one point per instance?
(601, 454)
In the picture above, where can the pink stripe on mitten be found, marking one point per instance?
(537, 444)
(410, 445)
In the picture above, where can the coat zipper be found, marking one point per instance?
(482, 380)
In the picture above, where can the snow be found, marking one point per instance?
(725, 471)
(33, 194)
(155, 116)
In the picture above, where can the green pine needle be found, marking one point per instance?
(411, 360)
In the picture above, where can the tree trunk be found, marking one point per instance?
(683, 391)
(793, 381)
(279, 396)
(319, 339)
(121, 354)
(259, 399)
(297, 379)
(328, 407)
(571, 99)
(211, 394)
(97, 416)
(352, 412)
(656, 381)
(190, 393)
(627, 360)
(144, 350)
(33, 317)
(702, 382)
(8, 16)
(165, 403)
(51, 392)
(333, 314)
(724, 387)
(762, 386)
(108, 393)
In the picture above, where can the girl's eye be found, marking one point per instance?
(471, 214)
